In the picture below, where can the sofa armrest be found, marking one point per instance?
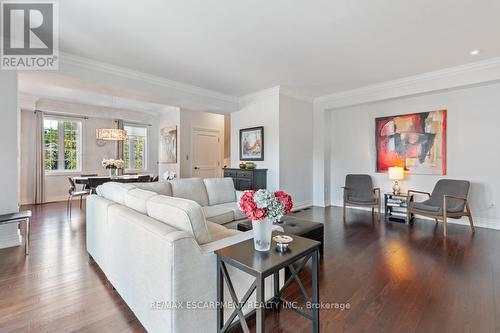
(228, 241)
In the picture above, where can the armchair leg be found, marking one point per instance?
(343, 211)
(445, 218)
(469, 215)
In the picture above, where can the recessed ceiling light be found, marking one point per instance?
(474, 52)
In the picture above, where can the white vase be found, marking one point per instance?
(112, 172)
(262, 231)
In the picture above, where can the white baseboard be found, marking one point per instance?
(481, 222)
(53, 199)
(301, 205)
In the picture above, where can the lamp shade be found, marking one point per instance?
(396, 173)
(111, 134)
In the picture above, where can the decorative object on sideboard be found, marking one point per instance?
(396, 174)
(250, 165)
(169, 175)
(243, 165)
(109, 134)
(416, 141)
(168, 145)
(112, 165)
(252, 144)
(264, 208)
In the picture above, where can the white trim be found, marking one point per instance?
(455, 77)
(86, 63)
(481, 222)
(243, 100)
(286, 91)
(301, 205)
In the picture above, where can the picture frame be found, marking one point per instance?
(168, 145)
(414, 141)
(252, 144)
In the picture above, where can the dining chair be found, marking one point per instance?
(87, 186)
(448, 199)
(96, 181)
(144, 179)
(72, 192)
(359, 192)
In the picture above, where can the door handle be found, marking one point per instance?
(196, 168)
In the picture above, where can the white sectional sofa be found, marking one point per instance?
(157, 250)
(216, 196)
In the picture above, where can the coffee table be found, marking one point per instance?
(295, 226)
(261, 265)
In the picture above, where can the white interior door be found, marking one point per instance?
(205, 153)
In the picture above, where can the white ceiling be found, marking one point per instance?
(312, 47)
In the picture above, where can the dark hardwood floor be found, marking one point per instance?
(393, 277)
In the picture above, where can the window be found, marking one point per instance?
(135, 148)
(62, 142)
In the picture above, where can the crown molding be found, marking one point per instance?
(27, 101)
(481, 72)
(273, 91)
(89, 64)
(296, 94)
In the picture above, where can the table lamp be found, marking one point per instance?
(396, 173)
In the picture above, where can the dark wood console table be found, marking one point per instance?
(247, 179)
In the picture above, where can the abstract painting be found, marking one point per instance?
(168, 145)
(252, 144)
(414, 141)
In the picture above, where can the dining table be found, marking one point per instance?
(84, 180)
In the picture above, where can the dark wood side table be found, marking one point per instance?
(295, 226)
(20, 217)
(396, 207)
(261, 265)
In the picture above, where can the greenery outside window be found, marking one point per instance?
(62, 144)
(135, 148)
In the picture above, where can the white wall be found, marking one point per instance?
(472, 145)
(196, 119)
(168, 119)
(56, 186)
(261, 109)
(9, 159)
(295, 153)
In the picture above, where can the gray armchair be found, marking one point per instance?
(359, 192)
(448, 199)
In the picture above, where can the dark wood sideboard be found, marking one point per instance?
(247, 179)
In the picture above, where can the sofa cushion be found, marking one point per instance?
(191, 189)
(179, 213)
(218, 231)
(137, 198)
(163, 188)
(238, 214)
(220, 190)
(218, 214)
(114, 191)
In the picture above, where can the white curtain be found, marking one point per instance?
(119, 144)
(39, 159)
